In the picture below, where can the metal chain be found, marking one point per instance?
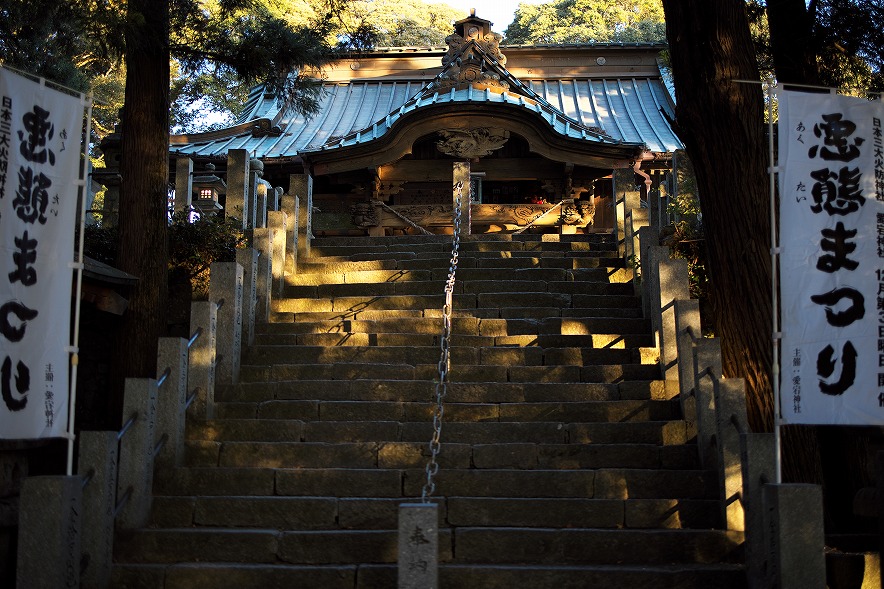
(445, 361)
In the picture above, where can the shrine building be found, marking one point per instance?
(564, 127)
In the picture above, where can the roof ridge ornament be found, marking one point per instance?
(465, 63)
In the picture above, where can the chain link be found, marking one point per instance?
(445, 360)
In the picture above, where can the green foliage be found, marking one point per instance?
(193, 247)
(587, 21)
(365, 24)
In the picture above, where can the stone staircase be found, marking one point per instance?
(564, 462)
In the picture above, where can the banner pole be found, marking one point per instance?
(78, 265)
(774, 266)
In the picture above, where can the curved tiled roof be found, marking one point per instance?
(599, 110)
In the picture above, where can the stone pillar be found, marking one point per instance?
(226, 282)
(278, 223)
(237, 185)
(627, 197)
(730, 407)
(647, 237)
(298, 204)
(255, 217)
(674, 286)
(652, 257)
(758, 461)
(248, 259)
(49, 529)
(183, 184)
(707, 359)
(136, 452)
(263, 242)
(171, 400)
(201, 368)
(98, 460)
(687, 326)
(462, 188)
(418, 546)
(795, 542)
(262, 194)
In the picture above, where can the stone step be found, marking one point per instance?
(605, 483)
(332, 321)
(462, 373)
(390, 240)
(460, 355)
(515, 284)
(321, 248)
(340, 274)
(577, 546)
(462, 302)
(457, 392)
(541, 432)
(489, 326)
(392, 454)
(570, 412)
(341, 338)
(327, 513)
(451, 576)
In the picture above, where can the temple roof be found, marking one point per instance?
(626, 103)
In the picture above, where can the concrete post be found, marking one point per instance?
(648, 237)
(171, 400)
(707, 359)
(263, 242)
(136, 452)
(248, 259)
(418, 546)
(237, 185)
(730, 409)
(183, 184)
(758, 461)
(226, 282)
(295, 238)
(255, 216)
(201, 368)
(674, 286)
(262, 198)
(278, 222)
(652, 257)
(627, 197)
(98, 460)
(49, 529)
(796, 542)
(298, 203)
(687, 321)
(462, 188)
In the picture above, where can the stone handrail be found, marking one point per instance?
(116, 469)
(782, 523)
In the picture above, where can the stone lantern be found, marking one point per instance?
(208, 189)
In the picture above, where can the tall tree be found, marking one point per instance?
(711, 51)
(587, 21)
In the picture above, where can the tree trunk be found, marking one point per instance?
(144, 166)
(791, 41)
(721, 122)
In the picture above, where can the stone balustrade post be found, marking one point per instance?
(278, 222)
(758, 461)
(707, 359)
(652, 257)
(183, 184)
(49, 532)
(418, 551)
(171, 400)
(627, 197)
(795, 536)
(237, 186)
(461, 174)
(201, 367)
(136, 452)
(226, 283)
(674, 281)
(687, 326)
(647, 237)
(263, 240)
(248, 259)
(730, 411)
(98, 460)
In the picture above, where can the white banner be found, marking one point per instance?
(831, 162)
(40, 133)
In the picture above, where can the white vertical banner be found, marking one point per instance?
(831, 171)
(40, 139)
